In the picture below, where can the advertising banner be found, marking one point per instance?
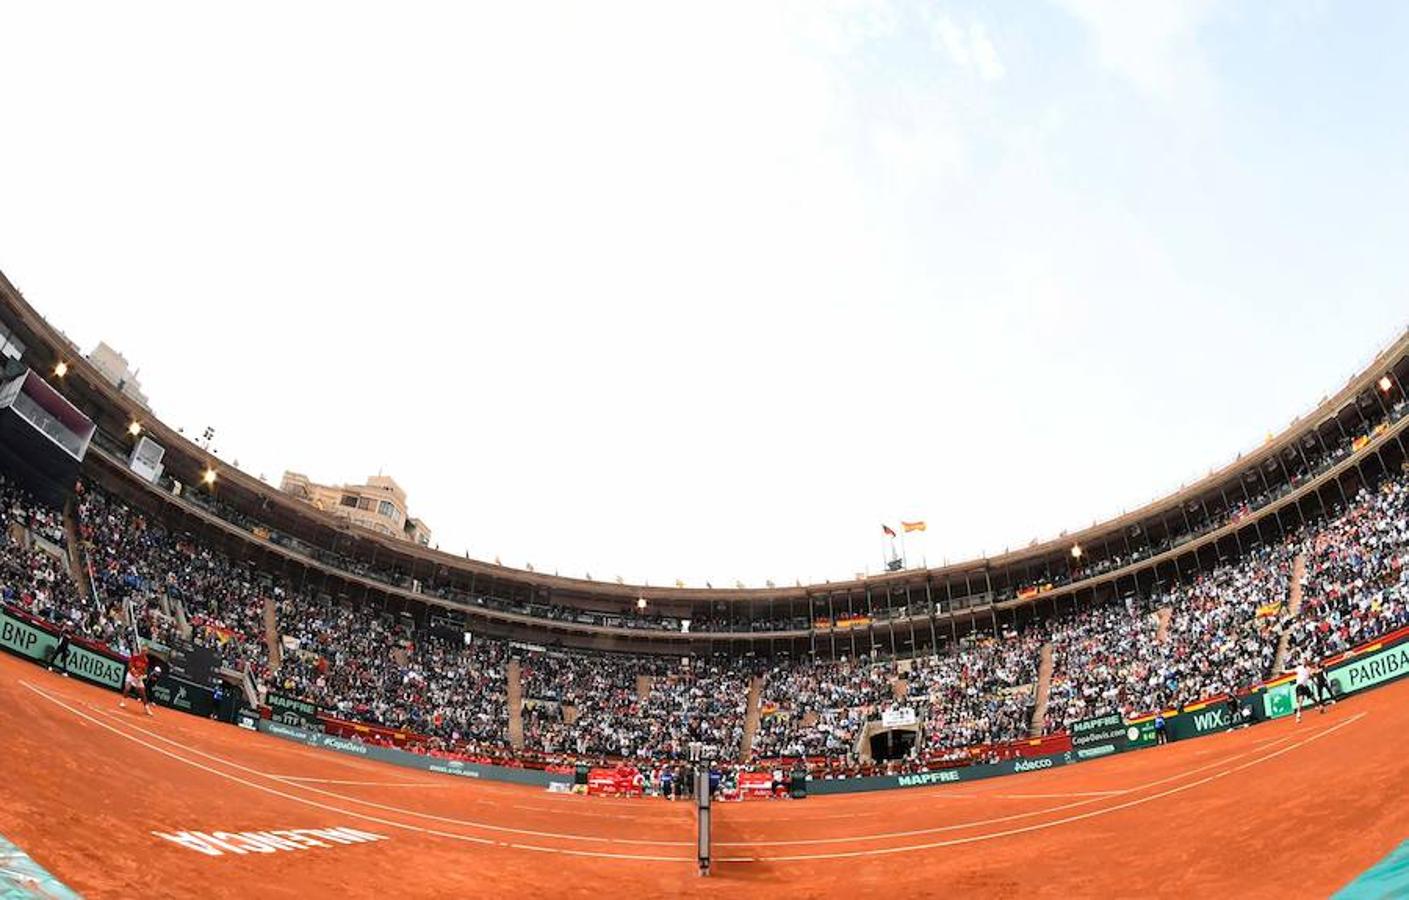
(624, 781)
(194, 664)
(1371, 670)
(1279, 700)
(25, 639)
(394, 756)
(1098, 736)
(38, 642)
(98, 668)
(1213, 718)
(178, 693)
(898, 718)
(288, 710)
(942, 776)
(755, 785)
(1140, 734)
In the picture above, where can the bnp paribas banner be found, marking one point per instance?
(1372, 669)
(27, 639)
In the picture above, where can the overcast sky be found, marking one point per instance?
(711, 291)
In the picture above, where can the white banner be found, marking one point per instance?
(897, 718)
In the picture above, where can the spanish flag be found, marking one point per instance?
(912, 526)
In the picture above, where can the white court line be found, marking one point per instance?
(779, 843)
(382, 806)
(324, 806)
(741, 859)
(1059, 796)
(578, 812)
(391, 784)
(960, 826)
(1042, 826)
(122, 716)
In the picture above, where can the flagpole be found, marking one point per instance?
(904, 554)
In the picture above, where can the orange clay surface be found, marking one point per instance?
(1279, 810)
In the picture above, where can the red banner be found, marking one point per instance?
(624, 781)
(755, 785)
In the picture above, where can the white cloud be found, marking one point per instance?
(990, 67)
(1151, 44)
(969, 49)
(622, 288)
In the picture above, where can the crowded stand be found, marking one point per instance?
(700, 701)
(1224, 627)
(1102, 659)
(612, 706)
(1220, 635)
(365, 666)
(1217, 632)
(1355, 584)
(37, 580)
(818, 708)
(135, 558)
(583, 704)
(1313, 459)
(981, 695)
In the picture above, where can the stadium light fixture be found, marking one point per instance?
(1076, 551)
(208, 476)
(640, 602)
(1385, 383)
(61, 369)
(134, 428)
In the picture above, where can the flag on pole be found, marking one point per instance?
(913, 526)
(889, 532)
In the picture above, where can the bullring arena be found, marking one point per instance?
(1282, 810)
(803, 449)
(1202, 697)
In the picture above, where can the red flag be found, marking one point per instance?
(887, 530)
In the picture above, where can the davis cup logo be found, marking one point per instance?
(1132, 734)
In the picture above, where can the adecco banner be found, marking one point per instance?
(37, 643)
(415, 760)
(1368, 671)
(943, 776)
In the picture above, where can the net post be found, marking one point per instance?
(703, 808)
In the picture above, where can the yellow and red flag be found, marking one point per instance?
(913, 526)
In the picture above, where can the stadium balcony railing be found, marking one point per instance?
(1325, 471)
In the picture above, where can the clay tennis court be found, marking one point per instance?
(1281, 810)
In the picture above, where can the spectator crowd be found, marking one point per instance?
(1220, 630)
